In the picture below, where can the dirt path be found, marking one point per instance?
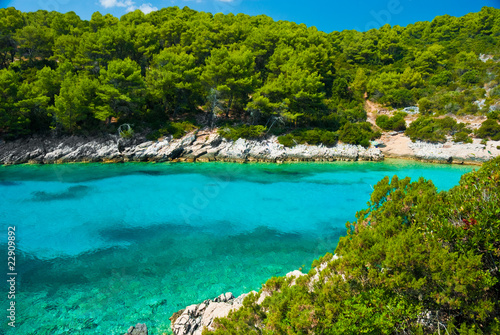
(371, 112)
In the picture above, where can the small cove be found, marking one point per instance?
(102, 247)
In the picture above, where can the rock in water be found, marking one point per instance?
(139, 329)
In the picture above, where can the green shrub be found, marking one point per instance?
(429, 129)
(396, 122)
(357, 133)
(442, 78)
(384, 122)
(489, 129)
(462, 136)
(494, 115)
(288, 140)
(126, 131)
(495, 92)
(176, 129)
(470, 77)
(244, 131)
(398, 98)
(311, 136)
(154, 135)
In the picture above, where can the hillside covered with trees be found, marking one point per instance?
(416, 261)
(174, 70)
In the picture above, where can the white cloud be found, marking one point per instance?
(116, 3)
(146, 8)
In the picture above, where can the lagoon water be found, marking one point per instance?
(102, 247)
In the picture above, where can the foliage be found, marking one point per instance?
(462, 136)
(61, 72)
(175, 129)
(490, 129)
(416, 261)
(244, 131)
(435, 130)
(358, 134)
(311, 136)
(396, 122)
(126, 131)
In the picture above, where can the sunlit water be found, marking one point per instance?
(102, 247)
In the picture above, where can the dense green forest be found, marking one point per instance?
(416, 261)
(175, 69)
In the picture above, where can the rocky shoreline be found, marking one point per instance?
(208, 146)
(200, 146)
(193, 319)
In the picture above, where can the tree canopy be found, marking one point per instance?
(173, 64)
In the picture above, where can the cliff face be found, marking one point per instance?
(203, 146)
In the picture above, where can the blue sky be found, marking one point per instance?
(326, 15)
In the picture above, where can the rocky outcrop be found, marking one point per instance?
(450, 152)
(61, 150)
(203, 146)
(397, 145)
(193, 319)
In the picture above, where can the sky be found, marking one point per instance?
(326, 15)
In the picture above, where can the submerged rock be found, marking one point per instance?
(139, 329)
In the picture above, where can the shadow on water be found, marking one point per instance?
(159, 250)
(73, 192)
(135, 234)
(151, 173)
(9, 183)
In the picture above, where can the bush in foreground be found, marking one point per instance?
(416, 261)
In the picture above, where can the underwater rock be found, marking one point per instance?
(139, 329)
(72, 192)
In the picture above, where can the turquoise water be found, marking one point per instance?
(102, 247)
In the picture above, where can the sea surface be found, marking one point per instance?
(101, 247)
